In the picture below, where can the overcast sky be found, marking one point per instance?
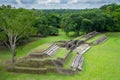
(58, 4)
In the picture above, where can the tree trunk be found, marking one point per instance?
(12, 50)
(12, 41)
(13, 56)
(13, 46)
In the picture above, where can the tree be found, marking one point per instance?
(47, 24)
(15, 24)
(109, 8)
(53, 30)
(114, 11)
(72, 23)
(100, 20)
(87, 25)
(116, 19)
(53, 20)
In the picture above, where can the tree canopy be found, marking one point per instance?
(15, 24)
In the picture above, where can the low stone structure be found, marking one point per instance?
(78, 59)
(100, 40)
(43, 62)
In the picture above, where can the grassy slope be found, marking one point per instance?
(101, 62)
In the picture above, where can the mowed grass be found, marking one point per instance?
(102, 62)
(61, 53)
(41, 48)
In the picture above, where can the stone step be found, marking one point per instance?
(75, 61)
(53, 51)
(50, 49)
(80, 64)
(31, 70)
(35, 63)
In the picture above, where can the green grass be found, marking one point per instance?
(41, 48)
(102, 62)
(61, 53)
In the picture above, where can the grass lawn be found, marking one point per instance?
(61, 53)
(40, 48)
(102, 62)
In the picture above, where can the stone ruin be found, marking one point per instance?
(42, 63)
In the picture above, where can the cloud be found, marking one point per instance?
(18, 2)
(92, 1)
(57, 4)
(73, 1)
(64, 1)
(28, 1)
(8, 1)
(48, 2)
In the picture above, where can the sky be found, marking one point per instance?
(58, 4)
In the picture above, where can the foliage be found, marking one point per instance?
(87, 25)
(88, 20)
(114, 11)
(15, 24)
(47, 24)
(72, 23)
